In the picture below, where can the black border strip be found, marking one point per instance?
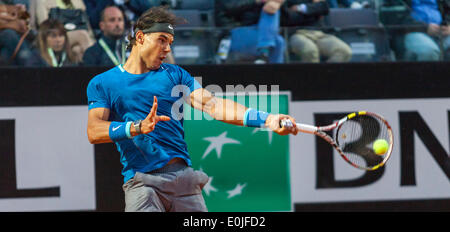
(67, 86)
(401, 205)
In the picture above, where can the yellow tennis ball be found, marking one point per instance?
(380, 146)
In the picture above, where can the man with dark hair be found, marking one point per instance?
(156, 162)
(110, 48)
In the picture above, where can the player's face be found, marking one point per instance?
(155, 48)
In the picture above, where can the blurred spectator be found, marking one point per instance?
(311, 45)
(80, 39)
(29, 5)
(94, 9)
(255, 30)
(110, 48)
(14, 48)
(132, 8)
(336, 3)
(444, 7)
(425, 45)
(53, 44)
(347, 4)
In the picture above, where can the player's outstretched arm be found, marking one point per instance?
(231, 112)
(220, 109)
(100, 130)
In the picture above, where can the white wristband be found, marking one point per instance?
(127, 130)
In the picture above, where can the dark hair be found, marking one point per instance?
(159, 14)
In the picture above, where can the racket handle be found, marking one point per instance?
(301, 127)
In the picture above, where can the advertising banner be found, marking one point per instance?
(248, 167)
(419, 167)
(46, 161)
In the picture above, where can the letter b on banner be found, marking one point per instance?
(325, 160)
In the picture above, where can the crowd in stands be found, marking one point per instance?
(56, 33)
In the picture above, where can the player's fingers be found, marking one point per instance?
(154, 108)
(162, 118)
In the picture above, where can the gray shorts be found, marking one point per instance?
(174, 188)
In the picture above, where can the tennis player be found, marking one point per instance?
(131, 106)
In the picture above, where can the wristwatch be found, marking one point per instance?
(137, 126)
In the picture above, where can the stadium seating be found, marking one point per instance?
(196, 4)
(195, 42)
(364, 33)
(368, 43)
(343, 17)
(195, 45)
(196, 18)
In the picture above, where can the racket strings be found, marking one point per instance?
(356, 136)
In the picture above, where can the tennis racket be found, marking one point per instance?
(354, 136)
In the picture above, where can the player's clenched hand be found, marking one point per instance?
(149, 123)
(273, 123)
